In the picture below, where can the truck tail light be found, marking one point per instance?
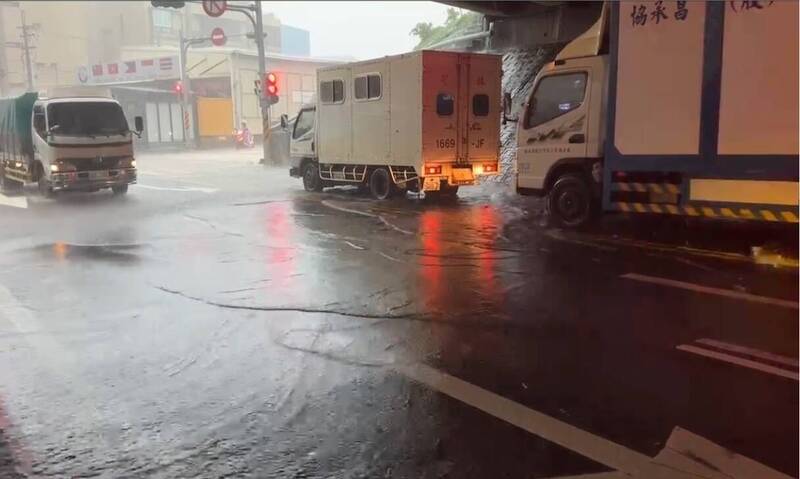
(433, 170)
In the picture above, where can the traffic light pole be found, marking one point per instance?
(186, 92)
(258, 33)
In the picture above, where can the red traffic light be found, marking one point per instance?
(178, 88)
(271, 83)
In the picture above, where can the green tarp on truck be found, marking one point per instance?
(15, 127)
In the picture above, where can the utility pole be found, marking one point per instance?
(262, 71)
(258, 32)
(186, 98)
(27, 32)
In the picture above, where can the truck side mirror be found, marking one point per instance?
(507, 102)
(139, 124)
(284, 121)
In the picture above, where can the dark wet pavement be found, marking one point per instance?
(220, 322)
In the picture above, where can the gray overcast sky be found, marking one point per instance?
(359, 29)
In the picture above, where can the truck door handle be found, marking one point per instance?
(577, 138)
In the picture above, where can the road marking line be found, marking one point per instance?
(685, 455)
(396, 228)
(729, 293)
(390, 258)
(15, 201)
(749, 351)
(692, 447)
(597, 475)
(162, 188)
(747, 363)
(594, 447)
(354, 246)
(346, 210)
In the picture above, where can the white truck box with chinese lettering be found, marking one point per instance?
(671, 107)
(425, 120)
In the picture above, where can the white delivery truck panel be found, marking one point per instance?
(410, 110)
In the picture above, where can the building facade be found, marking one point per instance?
(133, 48)
(62, 36)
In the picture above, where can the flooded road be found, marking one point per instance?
(219, 321)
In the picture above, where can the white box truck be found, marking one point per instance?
(427, 120)
(670, 107)
(65, 143)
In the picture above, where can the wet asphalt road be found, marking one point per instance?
(221, 322)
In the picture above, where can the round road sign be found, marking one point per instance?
(218, 37)
(215, 8)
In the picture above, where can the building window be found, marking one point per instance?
(480, 104)
(367, 87)
(162, 19)
(331, 91)
(444, 104)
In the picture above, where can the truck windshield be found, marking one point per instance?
(86, 118)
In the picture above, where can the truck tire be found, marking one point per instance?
(570, 201)
(381, 185)
(311, 179)
(43, 183)
(119, 189)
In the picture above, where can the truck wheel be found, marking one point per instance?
(311, 179)
(381, 185)
(119, 189)
(44, 184)
(570, 201)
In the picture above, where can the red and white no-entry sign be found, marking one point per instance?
(218, 37)
(215, 8)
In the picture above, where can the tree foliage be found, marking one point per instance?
(458, 22)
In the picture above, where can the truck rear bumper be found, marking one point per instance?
(92, 180)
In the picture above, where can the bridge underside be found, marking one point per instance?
(530, 24)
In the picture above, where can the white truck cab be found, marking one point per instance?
(302, 137)
(82, 143)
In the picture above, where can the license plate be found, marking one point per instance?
(463, 174)
(431, 184)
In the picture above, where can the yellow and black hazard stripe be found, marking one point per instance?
(722, 212)
(647, 187)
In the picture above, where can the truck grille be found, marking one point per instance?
(97, 163)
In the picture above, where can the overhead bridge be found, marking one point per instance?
(525, 24)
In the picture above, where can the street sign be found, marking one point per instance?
(218, 37)
(215, 8)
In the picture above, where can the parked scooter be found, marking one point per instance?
(242, 138)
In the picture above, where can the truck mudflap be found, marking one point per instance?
(92, 180)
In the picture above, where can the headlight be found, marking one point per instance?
(126, 163)
(60, 166)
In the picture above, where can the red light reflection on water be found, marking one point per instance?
(486, 219)
(458, 264)
(281, 245)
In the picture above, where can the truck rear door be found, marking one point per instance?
(440, 112)
(479, 108)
